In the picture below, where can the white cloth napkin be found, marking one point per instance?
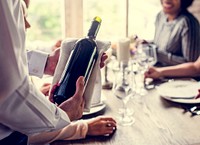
(92, 94)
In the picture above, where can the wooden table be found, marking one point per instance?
(158, 122)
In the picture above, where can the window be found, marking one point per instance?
(45, 19)
(113, 17)
(141, 17)
(52, 20)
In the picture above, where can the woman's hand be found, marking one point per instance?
(101, 125)
(140, 42)
(153, 73)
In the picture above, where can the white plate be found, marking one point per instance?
(95, 109)
(184, 101)
(180, 91)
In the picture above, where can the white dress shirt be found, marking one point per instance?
(36, 62)
(23, 108)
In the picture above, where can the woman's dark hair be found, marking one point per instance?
(185, 4)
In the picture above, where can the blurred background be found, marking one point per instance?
(52, 20)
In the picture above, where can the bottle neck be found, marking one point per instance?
(91, 37)
(92, 33)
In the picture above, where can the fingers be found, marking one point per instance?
(79, 94)
(52, 92)
(45, 88)
(58, 43)
(103, 58)
(101, 125)
(147, 74)
(110, 127)
(52, 61)
(151, 73)
(198, 96)
(74, 106)
(109, 122)
(107, 118)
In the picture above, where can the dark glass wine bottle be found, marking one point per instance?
(80, 63)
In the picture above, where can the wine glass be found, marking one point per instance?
(122, 90)
(107, 84)
(146, 57)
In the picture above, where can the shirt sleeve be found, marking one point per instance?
(36, 62)
(190, 38)
(177, 42)
(28, 111)
(22, 106)
(76, 130)
(166, 58)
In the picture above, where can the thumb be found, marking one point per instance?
(80, 86)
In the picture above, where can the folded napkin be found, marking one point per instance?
(92, 94)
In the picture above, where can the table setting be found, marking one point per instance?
(178, 90)
(166, 114)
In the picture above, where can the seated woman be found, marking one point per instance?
(177, 33)
(189, 69)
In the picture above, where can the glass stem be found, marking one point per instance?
(123, 81)
(106, 73)
(124, 106)
(125, 101)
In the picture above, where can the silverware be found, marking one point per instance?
(152, 84)
(195, 110)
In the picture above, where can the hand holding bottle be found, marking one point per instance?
(74, 106)
(81, 62)
(52, 61)
(103, 59)
(53, 58)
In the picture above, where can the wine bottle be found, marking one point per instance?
(80, 63)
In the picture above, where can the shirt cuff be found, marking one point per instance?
(36, 62)
(73, 131)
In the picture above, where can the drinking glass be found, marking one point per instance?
(145, 57)
(122, 90)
